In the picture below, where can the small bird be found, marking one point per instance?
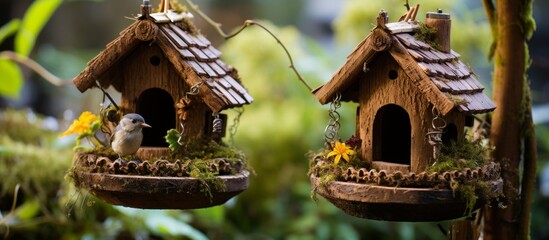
(128, 134)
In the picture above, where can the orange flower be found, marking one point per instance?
(82, 124)
(341, 151)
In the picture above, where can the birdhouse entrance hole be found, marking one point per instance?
(392, 135)
(156, 106)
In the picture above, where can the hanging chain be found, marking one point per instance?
(106, 94)
(331, 131)
(434, 136)
(234, 126)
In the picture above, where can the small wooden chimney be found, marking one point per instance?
(146, 8)
(442, 24)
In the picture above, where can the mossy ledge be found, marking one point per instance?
(462, 168)
(204, 161)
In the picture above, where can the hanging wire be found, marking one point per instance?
(105, 93)
(434, 136)
(180, 139)
(246, 24)
(331, 131)
(234, 126)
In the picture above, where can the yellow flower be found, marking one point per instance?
(341, 151)
(82, 124)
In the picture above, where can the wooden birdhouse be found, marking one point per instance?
(414, 96)
(398, 80)
(170, 74)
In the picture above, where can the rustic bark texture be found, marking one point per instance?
(508, 118)
(149, 192)
(390, 203)
(379, 90)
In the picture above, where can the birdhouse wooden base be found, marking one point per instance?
(411, 197)
(394, 203)
(158, 185)
(160, 192)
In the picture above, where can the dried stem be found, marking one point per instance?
(246, 24)
(36, 67)
(407, 5)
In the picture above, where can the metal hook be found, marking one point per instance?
(332, 129)
(217, 123)
(434, 136)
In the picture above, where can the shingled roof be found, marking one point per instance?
(445, 81)
(187, 50)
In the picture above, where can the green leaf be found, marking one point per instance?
(11, 79)
(34, 20)
(28, 210)
(171, 138)
(9, 29)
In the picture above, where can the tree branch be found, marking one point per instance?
(246, 24)
(34, 66)
(490, 10)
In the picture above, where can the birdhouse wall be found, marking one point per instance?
(394, 117)
(147, 72)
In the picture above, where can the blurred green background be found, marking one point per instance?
(276, 131)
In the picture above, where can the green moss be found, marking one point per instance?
(31, 157)
(456, 100)
(330, 171)
(527, 18)
(469, 195)
(200, 170)
(427, 35)
(466, 154)
(457, 156)
(197, 156)
(189, 26)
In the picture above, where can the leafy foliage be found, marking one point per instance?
(11, 78)
(34, 20)
(9, 29)
(26, 31)
(172, 137)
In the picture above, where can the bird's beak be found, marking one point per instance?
(145, 125)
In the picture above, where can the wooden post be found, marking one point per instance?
(442, 24)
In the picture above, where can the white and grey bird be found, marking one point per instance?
(128, 134)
